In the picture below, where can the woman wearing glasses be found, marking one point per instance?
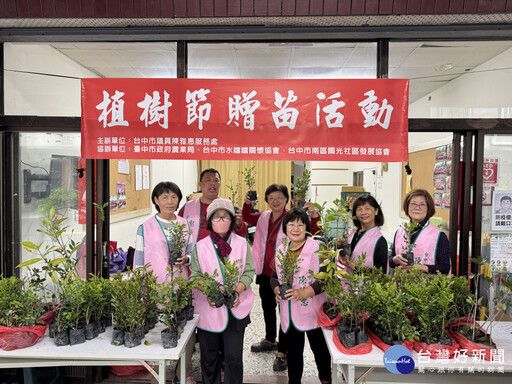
(431, 249)
(269, 233)
(222, 329)
(300, 309)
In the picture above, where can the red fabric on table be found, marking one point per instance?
(20, 337)
(360, 349)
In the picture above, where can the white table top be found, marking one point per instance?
(100, 348)
(502, 336)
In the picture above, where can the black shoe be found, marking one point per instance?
(263, 346)
(280, 363)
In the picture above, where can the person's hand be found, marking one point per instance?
(278, 295)
(295, 294)
(341, 241)
(182, 260)
(401, 262)
(212, 304)
(246, 199)
(311, 209)
(237, 300)
(345, 261)
(421, 267)
(239, 219)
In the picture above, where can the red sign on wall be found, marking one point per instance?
(490, 171)
(349, 120)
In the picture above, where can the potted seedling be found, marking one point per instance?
(234, 191)
(288, 267)
(168, 308)
(231, 279)
(409, 228)
(301, 188)
(178, 240)
(249, 175)
(212, 288)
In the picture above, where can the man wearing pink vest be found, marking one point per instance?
(269, 233)
(194, 211)
(222, 328)
(431, 249)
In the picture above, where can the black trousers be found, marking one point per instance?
(268, 304)
(231, 341)
(296, 340)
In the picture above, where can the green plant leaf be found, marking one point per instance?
(29, 262)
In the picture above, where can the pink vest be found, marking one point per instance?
(157, 248)
(216, 319)
(192, 212)
(304, 313)
(366, 244)
(259, 246)
(425, 244)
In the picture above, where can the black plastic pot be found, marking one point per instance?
(173, 258)
(190, 312)
(388, 340)
(348, 339)
(117, 337)
(77, 336)
(362, 338)
(169, 339)
(230, 301)
(100, 326)
(300, 203)
(218, 301)
(107, 320)
(153, 321)
(447, 341)
(131, 339)
(253, 195)
(61, 338)
(140, 333)
(91, 331)
(331, 310)
(52, 330)
(345, 250)
(282, 290)
(182, 316)
(410, 258)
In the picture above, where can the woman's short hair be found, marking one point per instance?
(232, 227)
(362, 200)
(277, 188)
(165, 187)
(431, 209)
(297, 214)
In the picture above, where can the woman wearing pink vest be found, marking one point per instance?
(222, 329)
(152, 245)
(431, 249)
(300, 309)
(366, 237)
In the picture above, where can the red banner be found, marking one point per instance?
(222, 119)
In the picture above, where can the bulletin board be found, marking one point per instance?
(422, 164)
(126, 201)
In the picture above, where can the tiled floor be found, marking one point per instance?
(257, 366)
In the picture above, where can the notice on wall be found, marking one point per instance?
(123, 166)
(145, 177)
(501, 252)
(138, 177)
(502, 211)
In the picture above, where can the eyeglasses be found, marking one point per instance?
(300, 226)
(280, 198)
(221, 218)
(421, 205)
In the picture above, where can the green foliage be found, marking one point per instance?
(101, 209)
(18, 307)
(73, 304)
(231, 275)
(178, 236)
(289, 263)
(209, 285)
(249, 176)
(409, 228)
(234, 191)
(58, 198)
(168, 303)
(127, 302)
(59, 260)
(301, 186)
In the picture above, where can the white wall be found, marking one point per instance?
(482, 93)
